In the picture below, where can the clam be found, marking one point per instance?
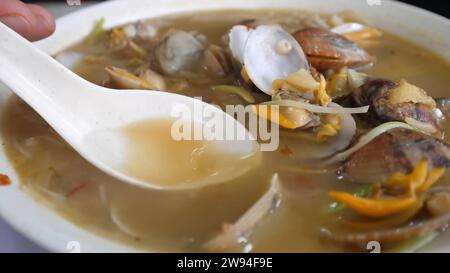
(178, 51)
(327, 50)
(438, 205)
(216, 62)
(341, 140)
(333, 144)
(416, 230)
(154, 79)
(232, 234)
(397, 150)
(298, 117)
(124, 80)
(358, 33)
(392, 101)
(238, 39)
(268, 53)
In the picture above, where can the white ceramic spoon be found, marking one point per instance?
(77, 109)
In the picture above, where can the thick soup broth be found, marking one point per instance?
(53, 173)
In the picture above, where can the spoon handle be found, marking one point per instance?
(55, 92)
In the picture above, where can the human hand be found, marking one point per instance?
(31, 21)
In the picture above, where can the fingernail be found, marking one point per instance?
(18, 23)
(44, 21)
(41, 28)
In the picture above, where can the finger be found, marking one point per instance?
(44, 24)
(17, 16)
(31, 21)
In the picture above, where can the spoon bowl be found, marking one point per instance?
(78, 110)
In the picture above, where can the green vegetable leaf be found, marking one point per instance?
(97, 32)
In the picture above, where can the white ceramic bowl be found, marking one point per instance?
(51, 231)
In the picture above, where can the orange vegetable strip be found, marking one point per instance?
(432, 178)
(398, 179)
(419, 175)
(390, 222)
(376, 208)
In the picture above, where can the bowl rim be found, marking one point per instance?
(54, 231)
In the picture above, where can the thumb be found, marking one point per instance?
(30, 21)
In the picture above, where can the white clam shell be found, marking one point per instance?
(264, 63)
(238, 39)
(345, 136)
(333, 145)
